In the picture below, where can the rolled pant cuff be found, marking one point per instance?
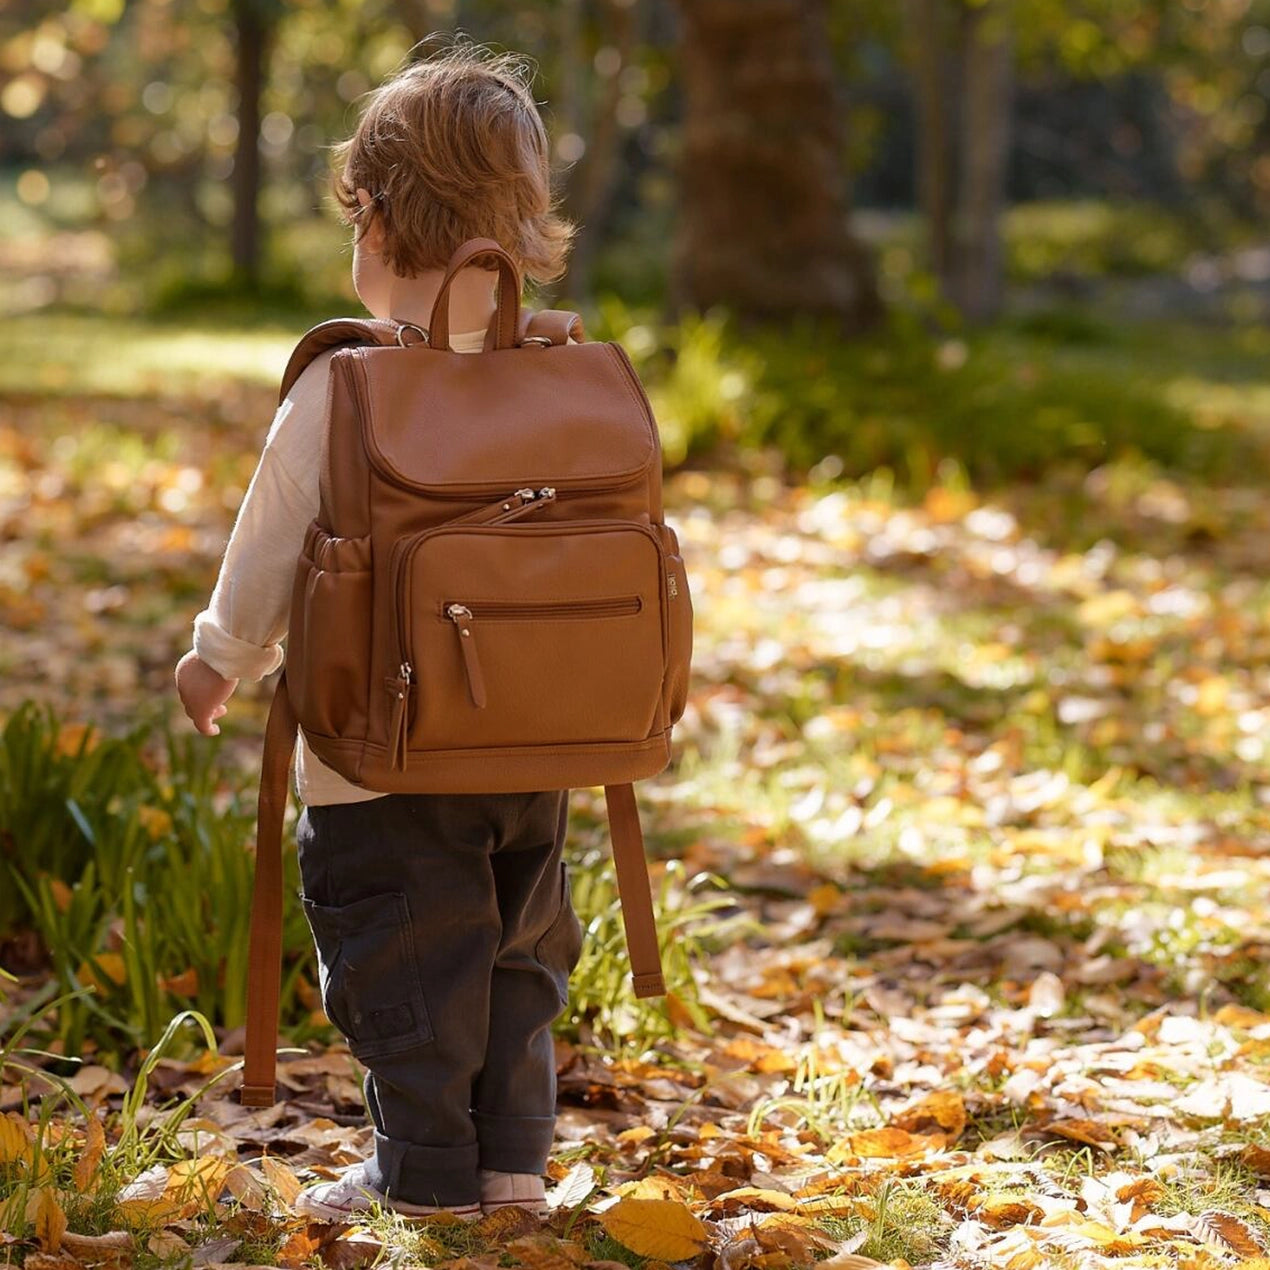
(419, 1174)
(514, 1144)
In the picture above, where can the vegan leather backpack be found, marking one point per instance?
(489, 600)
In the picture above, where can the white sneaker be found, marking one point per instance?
(502, 1190)
(353, 1195)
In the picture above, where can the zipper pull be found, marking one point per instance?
(397, 729)
(461, 616)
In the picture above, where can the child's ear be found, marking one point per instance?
(370, 228)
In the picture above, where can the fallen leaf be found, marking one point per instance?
(46, 1216)
(16, 1139)
(85, 1174)
(656, 1228)
(572, 1189)
(281, 1176)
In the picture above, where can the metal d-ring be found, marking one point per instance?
(410, 326)
(540, 340)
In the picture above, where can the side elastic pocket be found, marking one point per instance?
(329, 654)
(369, 975)
(679, 626)
(561, 944)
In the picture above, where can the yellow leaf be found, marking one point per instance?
(282, 1178)
(755, 1197)
(944, 1108)
(86, 1166)
(873, 1143)
(46, 1215)
(655, 1228)
(110, 964)
(661, 1187)
(155, 821)
(198, 1182)
(61, 893)
(15, 1139)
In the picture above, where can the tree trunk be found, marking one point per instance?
(253, 37)
(929, 33)
(593, 180)
(987, 82)
(762, 175)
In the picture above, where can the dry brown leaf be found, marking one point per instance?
(46, 1216)
(656, 1228)
(51, 1261)
(507, 1223)
(546, 1252)
(167, 1244)
(115, 1244)
(1089, 1132)
(16, 1139)
(298, 1248)
(754, 1197)
(883, 1143)
(944, 1110)
(849, 1261)
(85, 1175)
(347, 1254)
(247, 1187)
(281, 1176)
(1000, 1213)
(1231, 1230)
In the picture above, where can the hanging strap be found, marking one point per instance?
(264, 960)
(634, 891)
(264, 956)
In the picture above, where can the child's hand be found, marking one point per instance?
(203, 692)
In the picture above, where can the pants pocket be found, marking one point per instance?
(561, 944)
(371, 987)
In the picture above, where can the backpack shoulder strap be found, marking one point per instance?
(337, 331)
(556, 325)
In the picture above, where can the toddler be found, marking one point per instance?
(443, 924)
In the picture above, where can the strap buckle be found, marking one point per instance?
(410, 326)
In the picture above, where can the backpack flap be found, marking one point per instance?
(572, 417)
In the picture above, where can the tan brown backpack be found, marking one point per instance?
(489, 600)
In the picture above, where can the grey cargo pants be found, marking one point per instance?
(445, 936)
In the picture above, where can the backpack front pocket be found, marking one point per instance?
(527, 635)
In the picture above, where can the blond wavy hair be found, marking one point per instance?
(452, 147)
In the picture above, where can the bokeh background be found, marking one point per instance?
(955, 318)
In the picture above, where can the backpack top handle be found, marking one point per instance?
(509, 288)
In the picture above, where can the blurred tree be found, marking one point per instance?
(254, 23)
(960, 54)
(763, 216)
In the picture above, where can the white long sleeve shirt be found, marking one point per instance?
(240, 633)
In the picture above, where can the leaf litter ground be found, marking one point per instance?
(986, 780)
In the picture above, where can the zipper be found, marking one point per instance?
(515, 505)
(461, 616)
(546, 610)
(403, 549)
(464, 618)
